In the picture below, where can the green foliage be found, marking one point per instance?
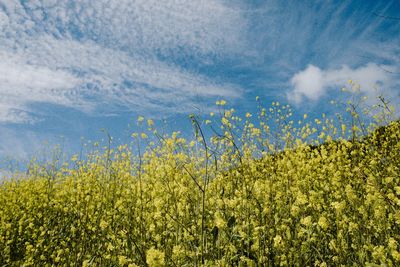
(250, 195)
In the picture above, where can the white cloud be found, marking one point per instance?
(142, 26)
(103, 55)
(287, 34)
(21, 83)
(312, 83)
(308, 83)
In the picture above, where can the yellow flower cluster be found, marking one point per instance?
(264, 193)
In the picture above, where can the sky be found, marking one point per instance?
(69, 69)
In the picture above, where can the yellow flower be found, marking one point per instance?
(74, 158)
(307, 221)
(103, 224)
(323, 223)
(122, 260)
(277, 241)
(221, 103)
(154, 258)
(150, 122)
(140, 119)
(392, 244)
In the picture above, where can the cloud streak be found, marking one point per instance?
(74, 63)
(107, 55)
(287, 36)
(21, 83)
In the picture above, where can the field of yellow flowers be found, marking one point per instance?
(242, 193)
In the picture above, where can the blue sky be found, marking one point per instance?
(70, 68)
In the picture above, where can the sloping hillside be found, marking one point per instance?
(333, 204)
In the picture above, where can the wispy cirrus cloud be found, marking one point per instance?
(106, 55)
(206, 26)
(21, 83)
(66, 64)
(291, 35)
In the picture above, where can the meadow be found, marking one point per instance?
(262, 190)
